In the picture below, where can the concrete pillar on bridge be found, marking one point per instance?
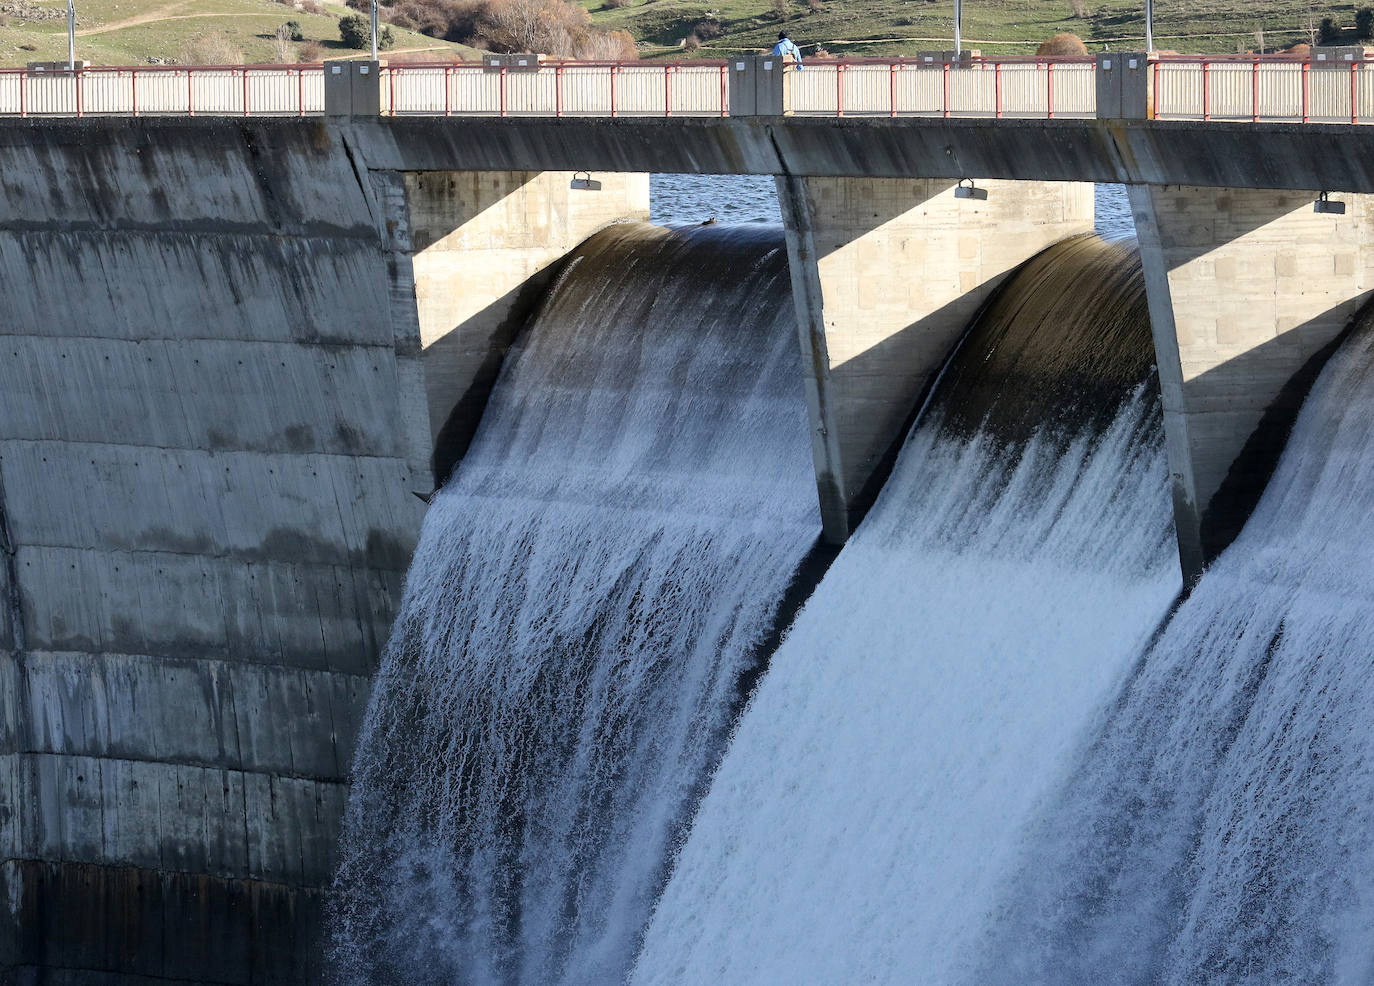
(472, 253)
(1248, 290)
(886, 274)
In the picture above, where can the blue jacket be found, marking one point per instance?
(785, 47)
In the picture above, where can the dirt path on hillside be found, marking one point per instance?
(160, 14)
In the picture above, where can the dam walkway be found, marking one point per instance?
(1330, 86)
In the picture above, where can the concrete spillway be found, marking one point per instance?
(588, 591)
(934, 689)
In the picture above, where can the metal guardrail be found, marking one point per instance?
(208, 90)
(978, 87)
(1268, 89)
(557, 88)
(1223, 88)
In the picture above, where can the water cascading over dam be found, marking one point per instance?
(932, 692)
(589, 588)
(1221, 827)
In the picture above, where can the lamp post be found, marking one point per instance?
(1149, 25)
(374, 30)
(958, 25)
(71, 35)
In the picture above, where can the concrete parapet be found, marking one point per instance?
(352, 87)
(1246, 287)
(1123, 85)
(475, 250)
(758, 85)
(886, 274)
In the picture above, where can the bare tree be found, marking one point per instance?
(281, 42)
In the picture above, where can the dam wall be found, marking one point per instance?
(215, 403)
(210, 435)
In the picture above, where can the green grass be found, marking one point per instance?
(997, 27)
(843, 27)
(247, 26)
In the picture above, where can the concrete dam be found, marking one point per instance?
(921, 590)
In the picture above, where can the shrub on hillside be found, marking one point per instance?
(311, 52)
(815, 6)
(779, 9)
(615, 4)
(293, 31)
(692, 43)
(217, 48)
(1328, 33)
(1062, 45)
(1364, 24)
(356, 32)
(708, 29)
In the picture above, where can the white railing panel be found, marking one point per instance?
(814, 89)
(1025, 89)
(698, 90)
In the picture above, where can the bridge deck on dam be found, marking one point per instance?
(1218, 155)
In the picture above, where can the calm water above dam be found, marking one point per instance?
(753, 199)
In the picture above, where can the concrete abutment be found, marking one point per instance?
(886, 275)
(1247, 287)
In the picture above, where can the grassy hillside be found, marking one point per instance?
(890, 27)
(133, 32)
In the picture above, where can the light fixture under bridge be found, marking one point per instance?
(969, 191)
(1328, 205)
(585, 181)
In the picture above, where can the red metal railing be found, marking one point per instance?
(1251, 88)
(930, 86)
(212, 90)
(559, 88)
(1268, 88)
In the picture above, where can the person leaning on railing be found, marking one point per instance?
(786, 50)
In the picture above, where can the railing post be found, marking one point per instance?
(1254, 91)
(839, 89)
(190, 95)
(300, 92)
(892, 89)
(79, 75)
(1049, 89)
(614, 73)
(1354, 93)
(133, 90)
(503, 90)
(558, 90)
(23, 84)
(391, 71)
(997, 86)
(667, 91)
(1306, 84)
(944, 90)
(1206, 92)
(1154, 95)
(245, 92)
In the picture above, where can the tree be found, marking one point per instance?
(1328, 33)
(356, 32)
(1364, 24)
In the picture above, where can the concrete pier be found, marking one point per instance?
(1246, 286)
(472, 253)
(886, 274)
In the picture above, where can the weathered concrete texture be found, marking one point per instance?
(886, 275)
(1254, 155)
(211, 419)
(1245, 287)
(499, 235)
